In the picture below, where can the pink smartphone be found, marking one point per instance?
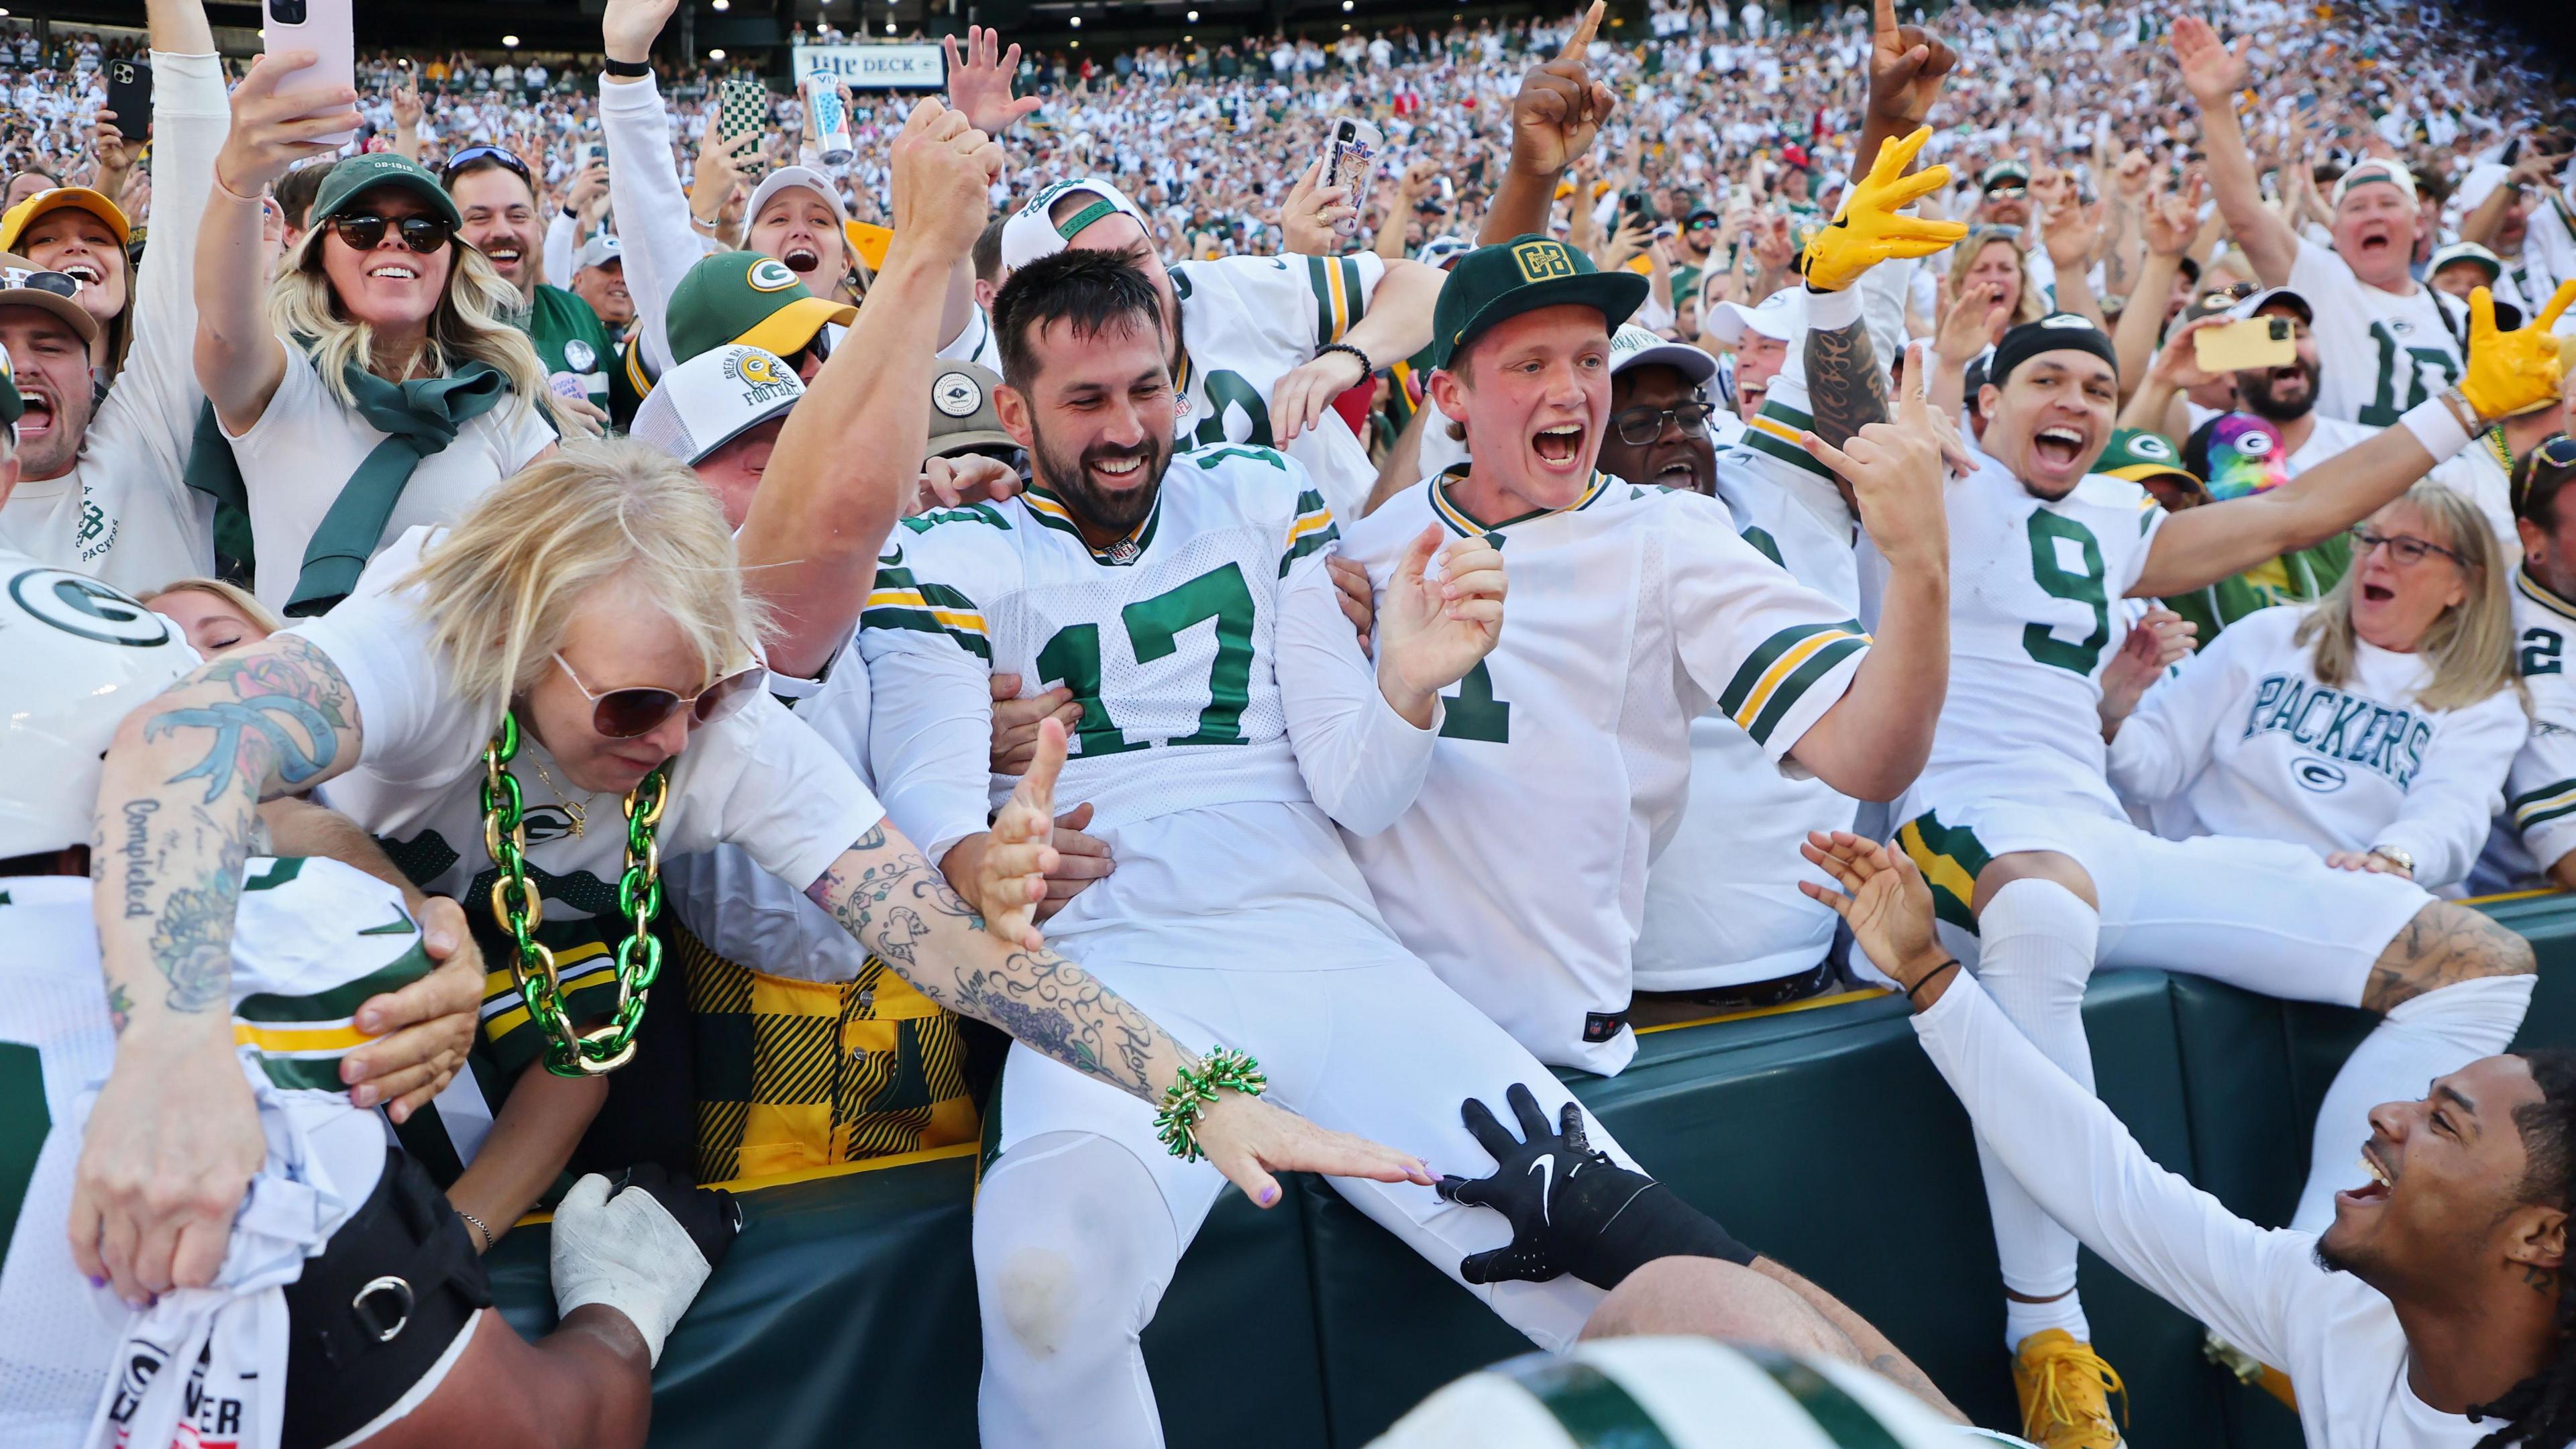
(322, 27)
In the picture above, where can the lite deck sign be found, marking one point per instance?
(874, 67)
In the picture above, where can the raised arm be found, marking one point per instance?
(1555, 118)
(653, 216)
(239, 359)
(1906, 65)
(2508, 372)
(851, 450)
(2214, 73)
(1846, 386)
(2169, 223)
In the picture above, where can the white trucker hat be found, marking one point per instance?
(1030, 236)
(714, 398)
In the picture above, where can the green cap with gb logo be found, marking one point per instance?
(1524, 274)
(748, 298)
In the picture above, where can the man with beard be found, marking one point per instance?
(1226, 707)
(101, 487)
(2426, 1312)
(2039, 874)
(498, 200)
(1725, 927)
(2394, 341)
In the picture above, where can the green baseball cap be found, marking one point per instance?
(749, 298)
(349, 179)
(2138, 455)
(1524, 274)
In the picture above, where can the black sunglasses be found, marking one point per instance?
(420, 233)
(1640, 426)
(471, 154)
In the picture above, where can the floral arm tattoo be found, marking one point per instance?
(1846, 388)
(177, 813)
(899, 906)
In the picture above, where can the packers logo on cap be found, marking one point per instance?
(769, 275)
(1542, 260)
(2066, 321)
(2149, 446)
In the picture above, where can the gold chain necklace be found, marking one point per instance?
(572, 808)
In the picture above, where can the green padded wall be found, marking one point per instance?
(1823, 1137)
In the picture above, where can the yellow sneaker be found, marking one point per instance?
(2065, 1390)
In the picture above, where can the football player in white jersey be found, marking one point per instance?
(2022, 837)
(1701, 617)
(350, 1307)
(1228, 721)
(2432, 1311)
(2387, 341)
(1264, 344)
(2534, 842)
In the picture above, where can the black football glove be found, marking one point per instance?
(1572, 1209)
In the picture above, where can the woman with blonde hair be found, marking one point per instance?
(216, 616)
(2373, 727)
(577, 653)
(379, 385)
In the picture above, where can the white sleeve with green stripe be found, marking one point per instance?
(930, 663)
(314, 940)
(1769, 651)
(2540, 790)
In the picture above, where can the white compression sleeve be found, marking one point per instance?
(2436, 1033)
(628, 1253)
(2036, 946)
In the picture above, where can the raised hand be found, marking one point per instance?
(2514, 372)
(2172, 224)
(627, 28)
(1895, 470)
(2177, 363)
(2074, 230)
(1869, 229)
(1889, 908)
(1010, 877)
(1974, 322)
(407, 106)
(2211, 70)
(1560, 108)
(1310, 217)
(1431, 632)
(979, 81)
(270, 132)
(720, 166)
(115, 152)
(1906, 65)
(944, 169)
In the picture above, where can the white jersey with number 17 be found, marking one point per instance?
(2035, 590)
(1564, 757)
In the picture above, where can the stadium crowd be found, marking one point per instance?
(1986, 499)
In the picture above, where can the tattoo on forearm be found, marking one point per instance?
(1846, 390)
(137, 850)
(2443, 946)
(905, 911)
(120, 1007)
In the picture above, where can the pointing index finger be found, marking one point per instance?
(1581, 40)
(1883, 21)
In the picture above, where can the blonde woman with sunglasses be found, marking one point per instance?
(568, 680)
(376, 385)
(2374, 728)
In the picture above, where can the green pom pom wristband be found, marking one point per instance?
(1193, 1089)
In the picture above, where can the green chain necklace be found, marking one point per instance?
(518, 909)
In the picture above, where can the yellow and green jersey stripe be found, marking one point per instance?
(1335, 282)
(2539, 807)
(1776, 675)
(1774, 431)
(1310, 530)
(900, 601)
(1951, 858)
(299, 1040)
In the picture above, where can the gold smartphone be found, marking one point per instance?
(2256, 342)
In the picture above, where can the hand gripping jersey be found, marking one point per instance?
(1167, 639)
(2034, 593)
(1722, 903)
(1246, 322)
(1564, 757)
(2245, 740)
(2538, 824)
(312, 940)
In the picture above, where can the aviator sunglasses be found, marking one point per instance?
(622, 714)
(363, 230)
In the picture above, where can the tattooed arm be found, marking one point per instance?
(1846, 388)
(174, 1138)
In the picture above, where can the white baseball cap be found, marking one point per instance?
(1729, 321)
(599, 251)
(787, 176)
(1031, 235)
(2376, 168)
(1440, 251)
(714, 398)
(1634, 346)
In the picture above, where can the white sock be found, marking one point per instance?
(2435, 1034)
(2021, 1320)
(2035, 952)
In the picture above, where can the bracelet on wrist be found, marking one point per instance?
(477, 1225)
(631, 69)
(1194, 1089)
(218, 178)
(1929, 977)
(1366, 367)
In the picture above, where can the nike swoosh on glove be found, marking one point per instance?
(644, 1247)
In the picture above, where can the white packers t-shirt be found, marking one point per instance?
(124, 513)
(299, 455)
(2380, 353)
